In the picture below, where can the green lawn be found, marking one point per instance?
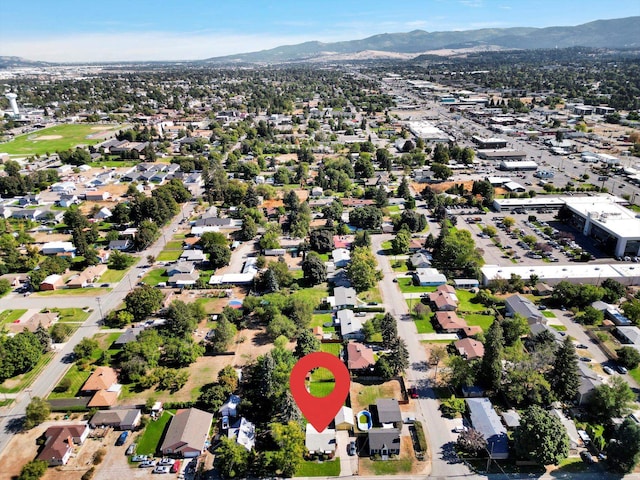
(113, 276)
(635, 373)
(72, 314)
(312, 295)
(155, 276)
(316, 469)
(386, 247)
(77, 378)
(319, 319)
(560, 328)
(393, 208)
(406, 286)
(400, 266)
(169, 255)
(77, 292)
(332, 348)
(371, 295)
(149, 441)
(10, 316)
(321, 389)
(391, 467)
(465, 305)
(174, 245)
(548, 314)
(70, 136)
(424, 326)
(482, 321)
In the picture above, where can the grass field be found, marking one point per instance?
(10, 316)
(72, 315)
(77, 378)
(74, 292)
(316, 469)
(406, 286)
(319, 319)
(154, 277)
(20, 382)
(113, 276)
(332, 348)
(391, 467)
(548, 314)
(482, 321)
(424, 326)
(150, 439)
(635, 374)
(169, 255)
(465, 305)
(66, 136)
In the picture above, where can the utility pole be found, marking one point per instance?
(100, 307)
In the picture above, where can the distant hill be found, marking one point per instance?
(7, 62)
(617, 33)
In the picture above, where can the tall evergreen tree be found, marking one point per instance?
(389, 330)
(564, 374)
(491, 368)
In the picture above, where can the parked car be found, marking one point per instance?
(140, 458)
(351, 449)
(585, 359)
(131, 449)
(225, 422)
(608, 370)
(148, 464)
(581, 345)
(175, 468)
(413, 392)
(410, 420)
(162, 469)
(121, 439)
(167, 461)
(586, 457)
(622, 369)
(460, 429)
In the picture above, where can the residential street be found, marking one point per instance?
(10, 421)
(440, 437)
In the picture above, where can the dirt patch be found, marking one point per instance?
(364, 395)
(405, 459)
(47, 137)
(272, 203)
(441, 187)
(42, 237)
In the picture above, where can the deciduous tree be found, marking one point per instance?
(541, 437)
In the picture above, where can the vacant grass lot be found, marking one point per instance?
(113, 276)
(424, 326)
(149, 441)
(482, 321)
(74, 292)
(154, 277)
(10, 316)
(319, 469)
(169, 255)
(390, 467)
(72, 315)
(406, 286)
(77, 378)
(465, 305)
(70, 136)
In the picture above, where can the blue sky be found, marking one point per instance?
(109, 30)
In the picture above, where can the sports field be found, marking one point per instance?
(58, 138)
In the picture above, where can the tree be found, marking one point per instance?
(612, 400)
(180, 319)
(251, 199)
(455, 253)
(362, 269)
(223, 334)
(232, 459)
(249, 229)
(411, 220)
(270, 281)
(614, 290)
(508, 222)
(321, 241)
(491, 369)
(436, 355)
(313, 269)
(461, 372)
(37, 412)
(85, 348)
(400, 244)
(398, 358)
(440, 171)
(269, 241)
(290, 440)
(33, 470)
(388, 330)
(623, 452)
(403, 189)
(591, 316)
(541, 437)
(472, 442)
(513, 328)
(143, 301)
(628, 357)
(228, 379)
(120, 261)
(212, 397)
(306, 343)
(453, 406)
(367, 217)
(563, 377)
(219, 255)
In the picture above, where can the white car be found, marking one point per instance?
(162, 469)
(608, 370)
(166, 462)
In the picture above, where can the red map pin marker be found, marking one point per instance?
(319, 411)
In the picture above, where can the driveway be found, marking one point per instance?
(348, 464)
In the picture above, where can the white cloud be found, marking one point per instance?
(132, 46)
(472, 3)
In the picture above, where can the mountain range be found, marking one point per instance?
(616, 33)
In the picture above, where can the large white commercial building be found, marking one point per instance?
(428, 132)
(595, 274)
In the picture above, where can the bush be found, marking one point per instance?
(63, 386)
(420, 438)
(88, 475)
(99, 456)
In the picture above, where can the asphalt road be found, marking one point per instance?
(438, 429)
(10, 422)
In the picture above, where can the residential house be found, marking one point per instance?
(230, 407)
(485, 420)
(52, 282)
(120, 245)
(538, 328)
(26, 214)
(469, 348)
(350, 325)
(465, 283)
(320, 442)
(63, 187)
(58, 248)
(429, 277)
(87, 277)
(420, 260)
(389, 411)
(341, 257)
(129, 335)
(99, 196)
(30, 200)
(59, 443)
(629, 336)
(344, 419)
(417, 244)
(449, 322)
(103, 385)
(180, 280)
(5, 212)
(194, 256)
(344, 297)
(444, 298)
(66, 200)
(384, 442)
(244, 432)
(33, 322)
(187, 434)
(181, 267)
(570, 427)
(589, 381)
(343, 241)
(103, 214)
(525, 307)
(360, 358)
(125, 419)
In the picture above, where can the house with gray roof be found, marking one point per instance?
(384, 442)
(187, 434)
(388, 411)
(485, 420)
(320, 442)
(589, 381)
(344, 297)
(350, 325)
(525, 307)
(123, 419)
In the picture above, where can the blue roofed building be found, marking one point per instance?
(485, 420)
